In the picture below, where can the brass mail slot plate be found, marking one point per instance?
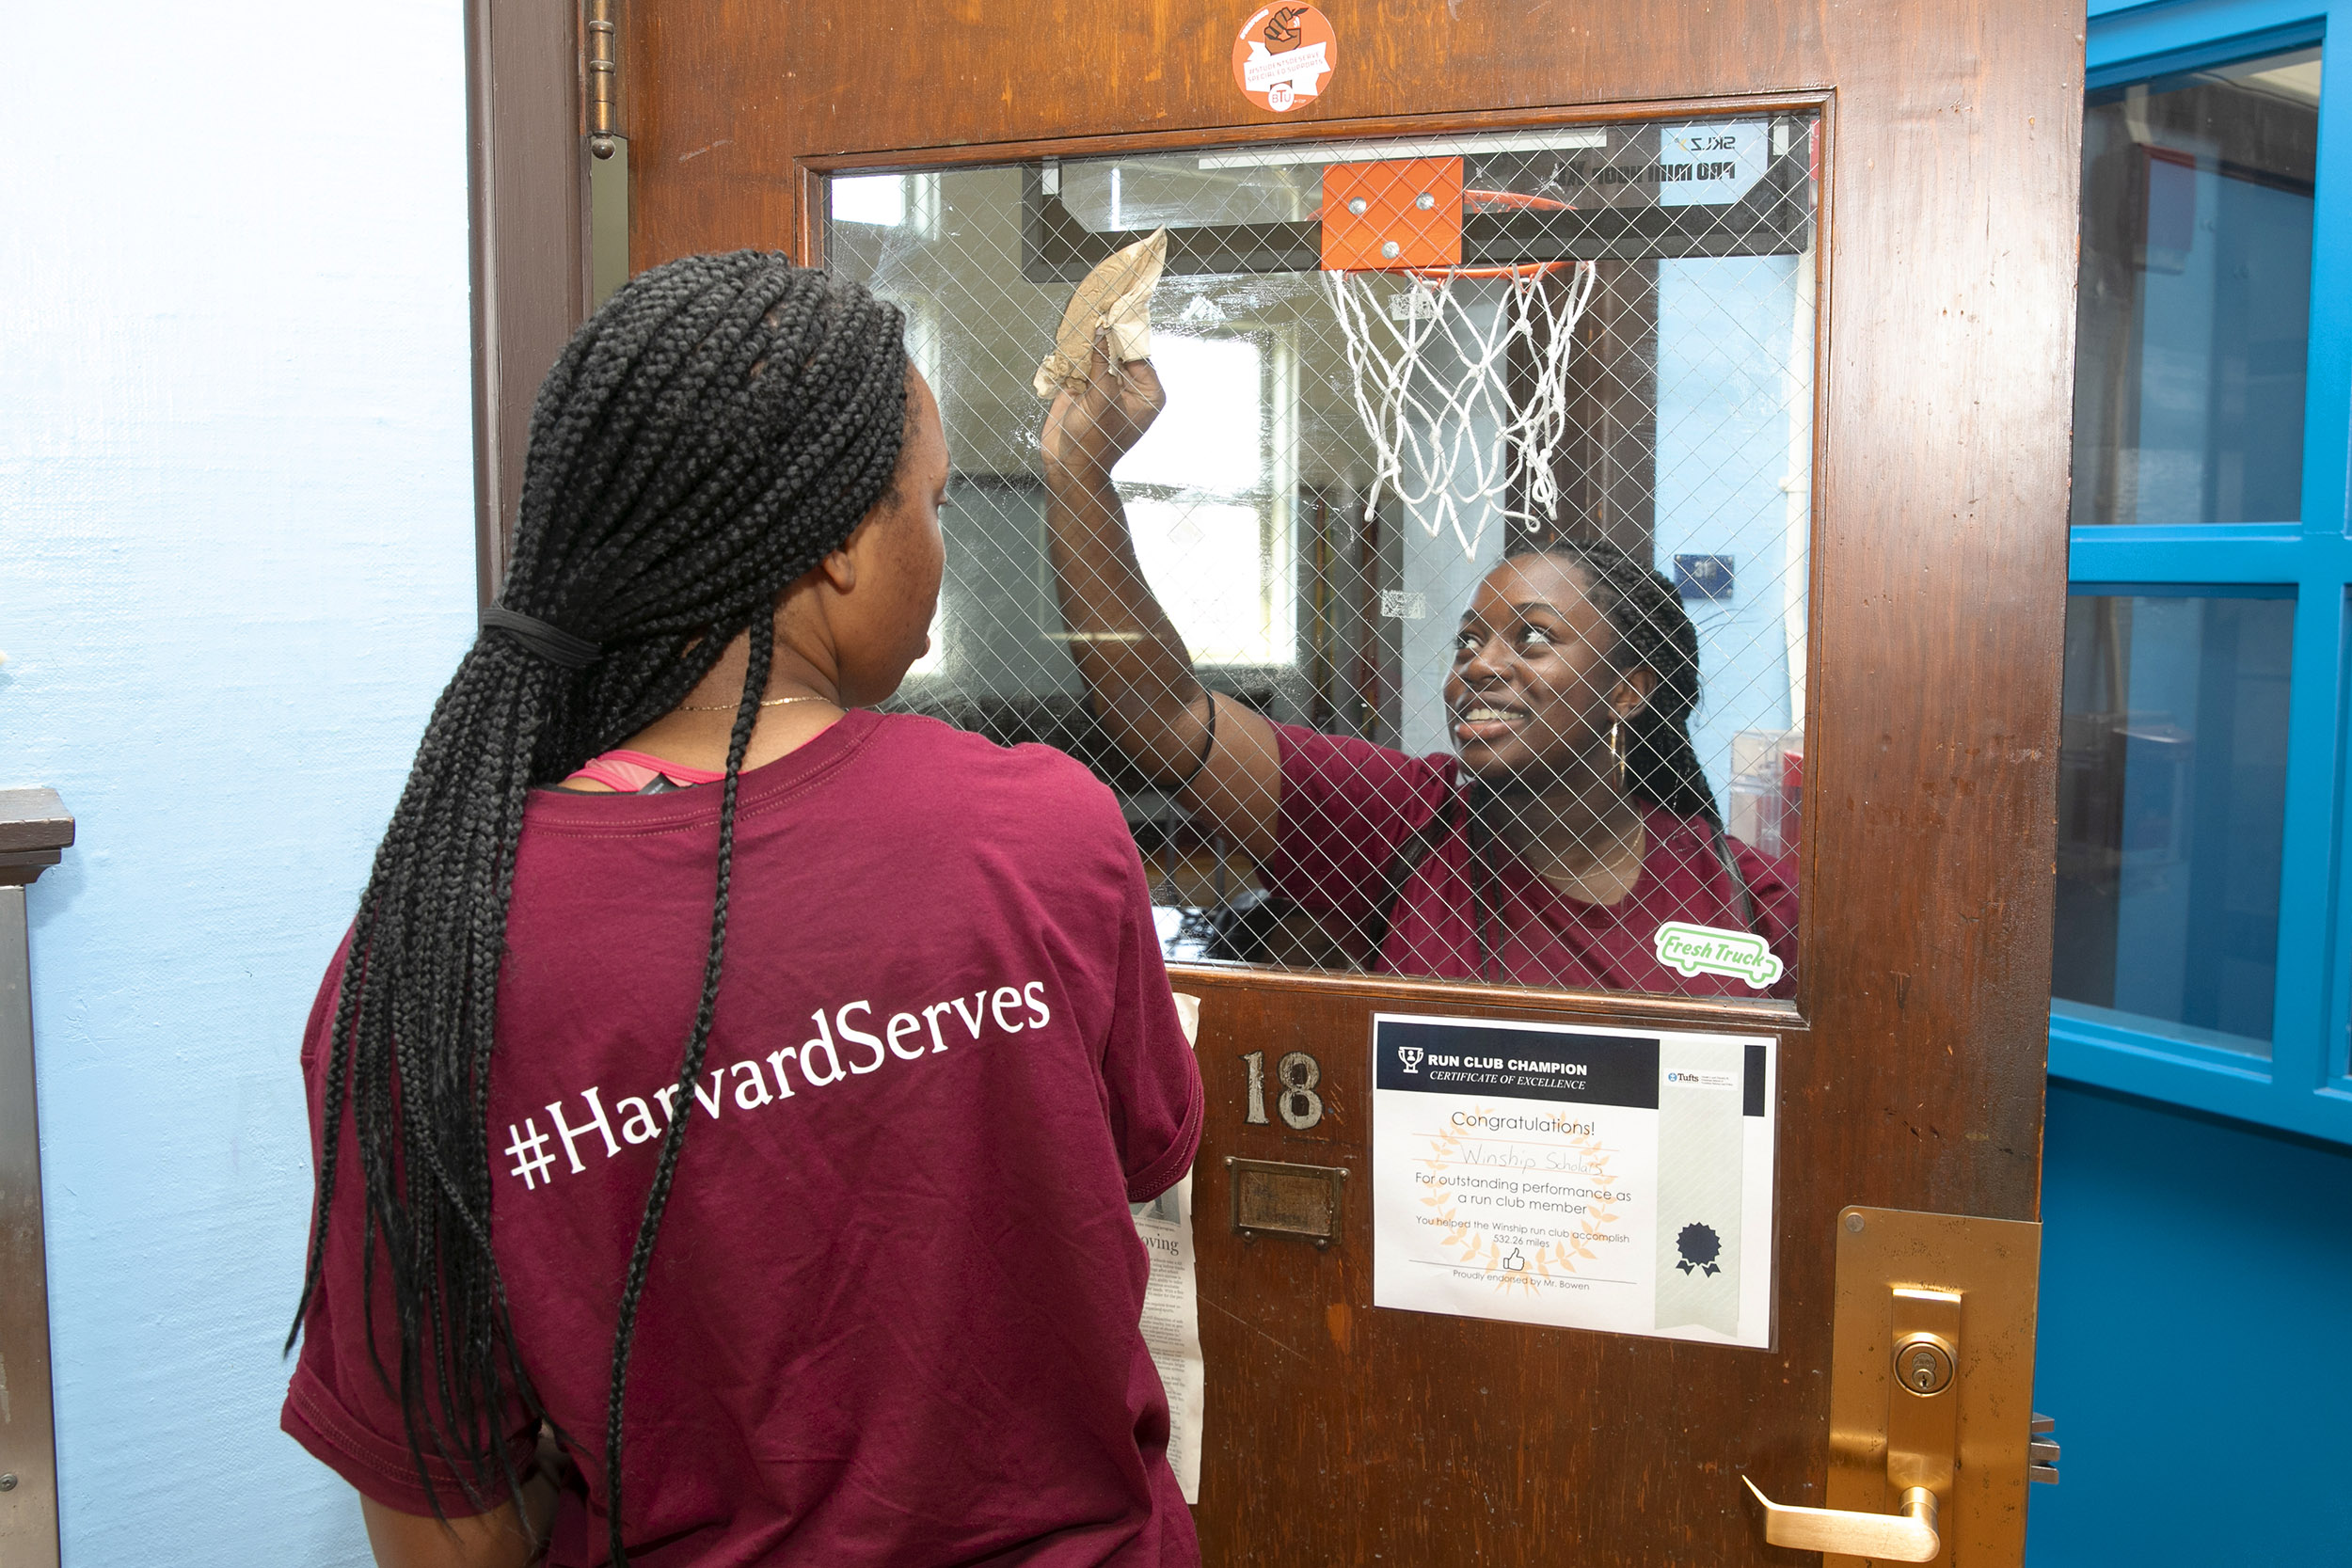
(1287, 1200)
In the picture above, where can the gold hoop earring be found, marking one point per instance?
(1616, 749)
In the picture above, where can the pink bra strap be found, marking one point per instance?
(626, 772)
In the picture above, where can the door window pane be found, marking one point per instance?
(2171, 795)
(1601, 343)
(2195, 295)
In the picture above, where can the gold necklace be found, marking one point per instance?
(730, 708)
(1624, 866)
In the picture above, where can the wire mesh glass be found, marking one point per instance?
(1605, 335)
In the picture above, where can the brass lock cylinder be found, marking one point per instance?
(1923, 1364)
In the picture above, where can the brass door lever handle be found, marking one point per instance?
(1906, 1537)
(1931, 1355)
(1921, 1403)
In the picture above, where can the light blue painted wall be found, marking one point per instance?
(235, 567)
(2196, 1299)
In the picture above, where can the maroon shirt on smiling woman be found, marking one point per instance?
(892, 1317)
(1366, 832)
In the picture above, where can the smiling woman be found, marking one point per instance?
(1570, 839)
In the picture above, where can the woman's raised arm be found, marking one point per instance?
(1138, 677)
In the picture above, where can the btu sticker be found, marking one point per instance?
(1284, 55)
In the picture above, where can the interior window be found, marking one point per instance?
(877, 199)
(907, 201)
(1203, 500)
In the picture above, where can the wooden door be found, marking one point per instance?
(1912, 1056)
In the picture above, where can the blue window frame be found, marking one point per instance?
(2210, 674)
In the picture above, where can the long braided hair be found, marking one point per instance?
(708, 436)
(1654, 633)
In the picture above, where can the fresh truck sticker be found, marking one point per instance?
(1705, 949)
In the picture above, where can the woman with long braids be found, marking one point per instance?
(740, 1088)
(1573, 823)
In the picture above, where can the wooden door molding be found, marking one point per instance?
(804, 237)
(527, 223)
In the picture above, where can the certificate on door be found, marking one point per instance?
(1575, 1177)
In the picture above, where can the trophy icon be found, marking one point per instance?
(1410, 1056)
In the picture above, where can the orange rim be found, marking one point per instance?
(1524, 272)
(1488, 201)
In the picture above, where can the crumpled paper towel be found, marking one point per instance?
(1114, 295)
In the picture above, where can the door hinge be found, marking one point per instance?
(603, 35)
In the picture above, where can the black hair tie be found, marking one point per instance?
(553, 644)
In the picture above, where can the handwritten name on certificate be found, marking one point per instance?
(1575, 1177)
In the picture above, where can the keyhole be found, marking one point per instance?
(1925, 1369)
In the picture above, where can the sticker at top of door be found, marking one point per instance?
(1283, 56)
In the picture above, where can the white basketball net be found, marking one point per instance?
(1449, 441)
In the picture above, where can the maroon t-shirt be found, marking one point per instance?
(1366, 832)
(892, 1317)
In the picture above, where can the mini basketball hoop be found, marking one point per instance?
(1448, 438)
